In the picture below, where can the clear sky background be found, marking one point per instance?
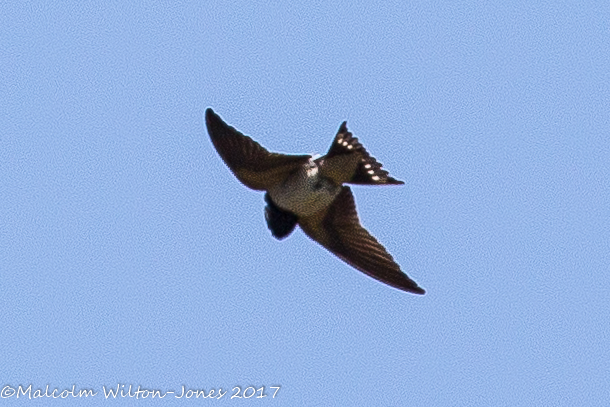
(130, 255)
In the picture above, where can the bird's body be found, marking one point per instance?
(305, 192)
(310, 192)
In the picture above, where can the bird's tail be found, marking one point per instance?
(368, 171)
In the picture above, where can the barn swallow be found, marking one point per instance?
(308, 191)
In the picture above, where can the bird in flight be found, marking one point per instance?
(309, 192)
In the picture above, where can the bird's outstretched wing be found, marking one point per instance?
(251, 163)
(369, 171)
(338, 229)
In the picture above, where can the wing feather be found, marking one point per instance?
(251, 163)
(338, 229)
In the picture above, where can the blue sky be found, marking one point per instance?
(130, 255)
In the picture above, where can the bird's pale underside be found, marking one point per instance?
(308, 192)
